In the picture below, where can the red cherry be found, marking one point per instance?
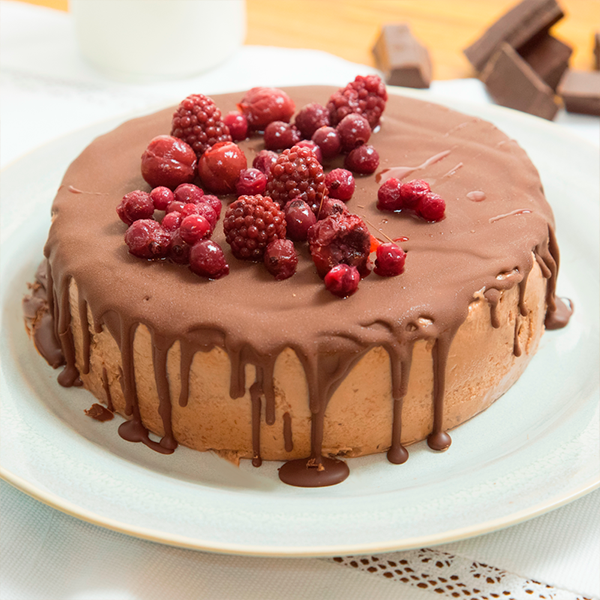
(168, 161)
(220, 166)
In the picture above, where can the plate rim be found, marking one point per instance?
(174, 539)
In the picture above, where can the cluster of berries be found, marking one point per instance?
(414, 196)
(183, 234)
(283, 198)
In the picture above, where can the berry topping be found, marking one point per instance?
(189, 209)
(297, 174)
(220, 166)
(208, 212)
(188, 192)
(238, 125)
(363, 160)
(172, 221)
(250, 224)
(194, 228)
(365, 95)
(197, 121)
(214, 203)
(264, 160)
(179, 252)
(316, 150)
(134, 206)
(413, 191)
(354, 131)
(328, 139)
(310, 118)
(332, 206)
(340, 184)
(168, 161)
(431, 207)
(280, 135)
(340, 239)
(281, 259)
(207, 260)
(251, 182)
(342, 280)
(390, 260)
(299, 219)
(262, 105)
(389, 195)
(175, 206)
(147, 239)
(162, 197)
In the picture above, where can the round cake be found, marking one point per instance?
(252, 367)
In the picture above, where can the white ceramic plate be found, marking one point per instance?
(533, 450)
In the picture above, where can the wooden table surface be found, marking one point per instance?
(349, 28)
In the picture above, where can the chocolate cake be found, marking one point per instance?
(252, 367)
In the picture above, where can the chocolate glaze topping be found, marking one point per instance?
(497, 223)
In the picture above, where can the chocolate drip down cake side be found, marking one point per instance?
(330, 311)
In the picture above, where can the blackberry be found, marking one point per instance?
(251, 223)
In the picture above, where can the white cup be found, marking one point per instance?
(150, 40)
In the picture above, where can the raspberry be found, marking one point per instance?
(412, 192)
(354, 131)
(207, 260)
(299, 219)
(251, 182)
(281, 259)
(171, 221)
(168, 161)
(261, 105)
(179, 252)
(238, 125)
(342, 280)
(280, 135)
(194, 228)
(297, 174)
(188, 192)
(365, 95)
(197, 121)
(328, 139)
(220, 166)
(431, 207)
(310, 118)
(147, 239)
(340, 184)
(340, 239)
(363, 160)
(315, 149)
(390, 260)
(389, 195)
(250, 224)
(264, 160)
(134, 206)
(162, 197)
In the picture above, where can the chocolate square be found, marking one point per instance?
(580, 91)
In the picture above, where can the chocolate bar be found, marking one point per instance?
(517, 27)
(597, 50)
(512, 82)
(580, 91)
(548, 57)
(402, 58)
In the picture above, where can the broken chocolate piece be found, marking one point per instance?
(402, 58)
(517, 27)
(512, 82)
(98, 412)
(580, 91)
(597, 51)
(548, 57)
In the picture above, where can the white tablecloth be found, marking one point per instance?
(48, 91)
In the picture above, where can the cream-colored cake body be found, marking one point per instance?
(253, 367)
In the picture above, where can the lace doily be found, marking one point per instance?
(454, 576)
